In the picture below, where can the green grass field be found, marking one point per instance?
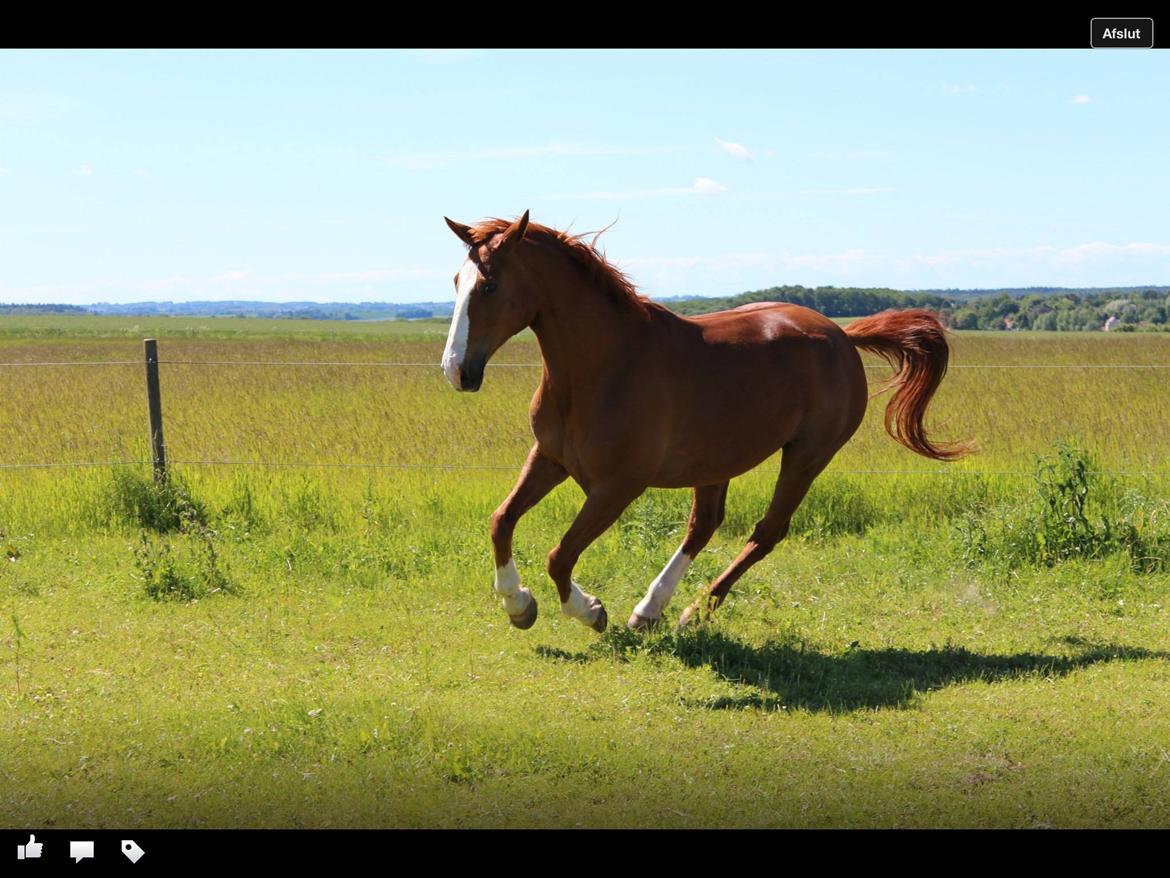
(317, 642)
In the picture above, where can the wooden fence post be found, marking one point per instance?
(154, 400)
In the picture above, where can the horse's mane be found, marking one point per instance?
(584, 254)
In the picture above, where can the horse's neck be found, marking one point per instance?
(582, 335)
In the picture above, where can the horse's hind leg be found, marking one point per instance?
(706, 516)
(798, 469)
(539, 476)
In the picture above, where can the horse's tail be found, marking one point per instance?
(913, 342)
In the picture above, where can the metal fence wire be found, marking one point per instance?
(152, 362)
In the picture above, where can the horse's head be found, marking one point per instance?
(491, 304)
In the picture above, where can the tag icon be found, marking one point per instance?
(132, 851)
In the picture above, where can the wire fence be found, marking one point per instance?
(435, 366)
(949, 472)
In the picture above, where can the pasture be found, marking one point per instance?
(303, 632)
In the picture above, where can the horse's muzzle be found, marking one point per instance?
(471, 373)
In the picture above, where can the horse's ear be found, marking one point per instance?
(514, 232)
(463, 232)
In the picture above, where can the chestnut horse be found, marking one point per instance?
(635, 396)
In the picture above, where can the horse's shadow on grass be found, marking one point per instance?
(788, 673)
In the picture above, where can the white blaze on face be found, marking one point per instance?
(662, 589)
(460, 324)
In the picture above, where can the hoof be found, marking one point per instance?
(527, 618)
(583, 606)
(689, 619)
(601, 622)
(641, 623)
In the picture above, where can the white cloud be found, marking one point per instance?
(1081, 99)
(953, 89)
(707, 186)
(701, 186)
(443, 56)
(230, 276)
(86, 170)
(850, 154)
(31, 106)
(429, 161)
(1008, 266)
(1045, 254)
(372, 275)
(859, 190)
(736, 150)
(753, 260)
(261, 284)
(344, 286)
(1098, 249)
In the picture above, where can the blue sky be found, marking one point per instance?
(326, 175)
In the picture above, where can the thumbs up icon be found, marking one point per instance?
(30, 851)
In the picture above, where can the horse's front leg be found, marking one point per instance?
(602, 508)
(539, 475)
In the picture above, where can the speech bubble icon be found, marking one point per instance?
(80, 850)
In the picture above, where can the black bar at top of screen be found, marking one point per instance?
(801, 28)
(884, 28)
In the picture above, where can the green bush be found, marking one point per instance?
(184, 569)
(1075, 512)
(160, 506)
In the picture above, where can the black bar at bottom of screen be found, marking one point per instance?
(43, 852)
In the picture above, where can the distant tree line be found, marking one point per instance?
(1120, 310)
(1145, 310)
(42, 309)
(830, 301)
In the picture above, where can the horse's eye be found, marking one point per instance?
(488, 288)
